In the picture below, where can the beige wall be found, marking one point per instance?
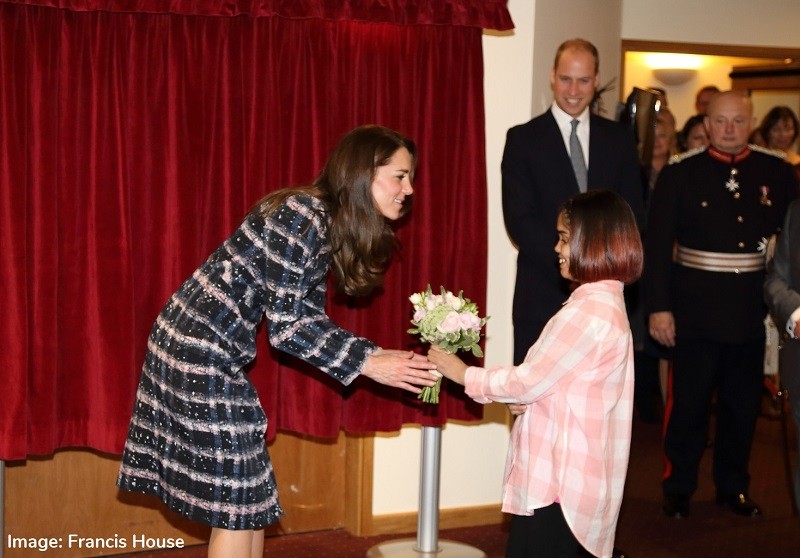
(730, 22)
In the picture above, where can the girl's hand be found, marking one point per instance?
(402, 369)
(517, 409)
(449, 365)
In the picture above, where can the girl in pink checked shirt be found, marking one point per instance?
(568, 455)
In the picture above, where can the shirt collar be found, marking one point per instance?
(729, 158)
(564, 120)
(605, 285)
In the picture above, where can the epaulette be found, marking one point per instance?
(767, 151)
(685, 155)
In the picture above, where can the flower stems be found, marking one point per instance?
(430, 394)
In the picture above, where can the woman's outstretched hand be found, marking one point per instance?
(403, 369)
(449, 365)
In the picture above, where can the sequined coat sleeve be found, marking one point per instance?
(298, 257)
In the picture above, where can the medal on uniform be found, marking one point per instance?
(732, 184)
(764, 199)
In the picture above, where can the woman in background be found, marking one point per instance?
(779, 128)
(693, 134)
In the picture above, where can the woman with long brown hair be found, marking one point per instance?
(196, 438)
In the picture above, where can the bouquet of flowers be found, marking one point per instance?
(449, 321)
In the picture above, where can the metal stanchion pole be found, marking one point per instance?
(428, 518)
(427, 543)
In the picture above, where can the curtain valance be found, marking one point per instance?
(487, 14)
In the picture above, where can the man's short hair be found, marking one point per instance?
(578, 44)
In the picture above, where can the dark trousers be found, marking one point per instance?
(700, 367)
(646, 389)
(545, 534)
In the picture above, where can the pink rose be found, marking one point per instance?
(450, 324)
(468, 320)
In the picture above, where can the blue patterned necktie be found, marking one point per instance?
(576, 156)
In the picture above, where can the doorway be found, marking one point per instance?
(714, 65)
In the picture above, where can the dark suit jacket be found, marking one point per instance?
(782, 294)
(537, 179)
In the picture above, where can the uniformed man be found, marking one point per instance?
(713, 212)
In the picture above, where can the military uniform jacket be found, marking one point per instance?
(714, 202)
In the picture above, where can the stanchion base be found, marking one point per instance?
(405, 548)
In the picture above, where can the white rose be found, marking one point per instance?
(469, 320)
(453, 301)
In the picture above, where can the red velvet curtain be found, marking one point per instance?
(134, 142)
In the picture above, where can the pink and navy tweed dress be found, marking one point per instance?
(196, 438)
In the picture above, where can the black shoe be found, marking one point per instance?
(740, 504)
(675, 506)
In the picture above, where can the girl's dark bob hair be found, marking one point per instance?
(604, 241)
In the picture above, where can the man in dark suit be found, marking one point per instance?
(711, 215)
(782, 293)
(538, 177)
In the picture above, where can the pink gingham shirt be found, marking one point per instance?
(572, 442)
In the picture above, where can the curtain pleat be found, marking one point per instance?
(135, 143)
